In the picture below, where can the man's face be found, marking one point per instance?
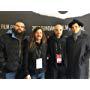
(58, 30)
(75, 28)
(19, 27)
(38, 34)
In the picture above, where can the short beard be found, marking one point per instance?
(19, 34)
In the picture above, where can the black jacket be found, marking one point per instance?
(30, 56)
(9, 52)
(51, 52)
(78, 53)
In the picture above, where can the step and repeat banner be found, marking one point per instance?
(32, 19)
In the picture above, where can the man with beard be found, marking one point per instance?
(11, 51)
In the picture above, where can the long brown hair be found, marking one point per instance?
(32, 43)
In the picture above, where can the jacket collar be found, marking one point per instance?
(11, 33)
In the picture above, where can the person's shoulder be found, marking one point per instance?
(51, 37)
(4, 36)
(67, 33)
(69, 37)
(63, 39)
(26, 39)
(85, 34)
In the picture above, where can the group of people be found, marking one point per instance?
(38, 57)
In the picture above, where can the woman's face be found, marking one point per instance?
(38, 34)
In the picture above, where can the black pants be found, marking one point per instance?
(56, 72)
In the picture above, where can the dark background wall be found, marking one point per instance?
(8, 19)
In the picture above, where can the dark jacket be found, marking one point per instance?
(78, 53)
(60, 45)
(10, 49)
(30, 56)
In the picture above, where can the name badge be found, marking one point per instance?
(58, 58)
(39, 63)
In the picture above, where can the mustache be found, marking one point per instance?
(39, 36)
(58, 33)
(20, 30)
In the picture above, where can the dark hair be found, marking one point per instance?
(58, 24)
(32, 41)
(75, 21)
